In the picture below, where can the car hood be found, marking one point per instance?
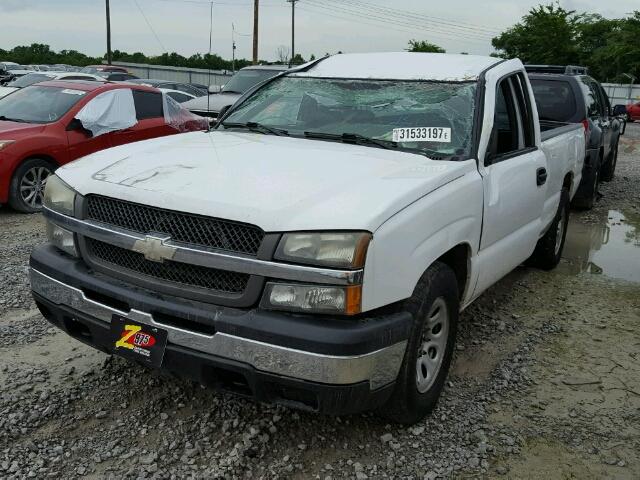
(216, 102)
(7, 129)
(277, 183)
(4, 91)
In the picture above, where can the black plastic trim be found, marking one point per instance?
(228, 375)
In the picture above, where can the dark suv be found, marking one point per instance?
(568, 94)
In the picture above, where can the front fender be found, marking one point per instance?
(409, 242)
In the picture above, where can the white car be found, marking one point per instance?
(37, 77)
(316, 247)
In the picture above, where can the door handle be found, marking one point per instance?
(541, 176)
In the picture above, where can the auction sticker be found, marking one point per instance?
(136, 341)
(71, 91)
(422, 134)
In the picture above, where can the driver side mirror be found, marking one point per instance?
(215, 89)
(76, 125)
(619, 111)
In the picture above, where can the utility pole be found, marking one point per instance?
(233, 48)
(255, 31)
(293, 29)
(108, 34)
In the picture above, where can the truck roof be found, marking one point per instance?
(402, 66)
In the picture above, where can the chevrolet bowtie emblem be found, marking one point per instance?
(153, 248)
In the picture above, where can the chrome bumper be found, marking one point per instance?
(379, 368)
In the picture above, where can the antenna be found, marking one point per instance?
(209, 59)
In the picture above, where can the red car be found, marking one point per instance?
(41, 129)
(633, 112)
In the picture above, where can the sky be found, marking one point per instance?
(322, 26)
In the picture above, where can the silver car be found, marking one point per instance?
(210, 106)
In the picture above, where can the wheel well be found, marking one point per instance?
(46, 158)
(458, 260)
(568, 181)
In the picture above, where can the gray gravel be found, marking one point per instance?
(517, 401)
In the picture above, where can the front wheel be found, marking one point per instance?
(549, 248)
(434, 306)
(26, 192)
(587, 194)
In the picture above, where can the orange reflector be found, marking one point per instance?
(353, 301)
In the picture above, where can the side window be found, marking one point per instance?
(179, 97)
(524, 107)
(594, 103)
(148, 104)
(605, 101)
(79, 77)
(505, 135)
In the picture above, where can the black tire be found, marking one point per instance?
(587, 195)
(437, 287)
(609, 168)
(548, 251)
(32, 171)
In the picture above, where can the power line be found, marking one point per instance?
(405, 14)
(388, 23)
(401, 22)
(150, 26)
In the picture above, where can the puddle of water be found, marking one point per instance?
(608, 247)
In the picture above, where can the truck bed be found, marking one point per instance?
(550, 129)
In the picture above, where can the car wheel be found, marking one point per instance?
(609, 169)
(26, 192)
(548, 251)
(434, 307)
(587, 195)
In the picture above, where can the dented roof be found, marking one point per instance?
(402, 66)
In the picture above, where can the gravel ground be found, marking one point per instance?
(545, 383)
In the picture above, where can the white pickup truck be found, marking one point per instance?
(316, 248)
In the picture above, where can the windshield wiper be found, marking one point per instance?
(358, 139)
(18, 120)
(257, 127)
(354, 138)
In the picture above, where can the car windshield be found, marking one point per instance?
(430, 118)
(89, 70)
(245, 79)
(37, 104)
(29, 79)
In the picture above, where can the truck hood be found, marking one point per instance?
(277, 183)
(216, 102)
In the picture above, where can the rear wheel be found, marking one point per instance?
(549, 248)
(609, 168)
(588, 192)
(434, 306)
(26, 192)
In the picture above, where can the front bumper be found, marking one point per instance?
(329, 365)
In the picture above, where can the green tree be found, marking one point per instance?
(424, 46)
(545, 35)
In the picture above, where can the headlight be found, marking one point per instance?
(61, 238)
(58, 196)
(331, 249)
(4, 143)
(313, 298)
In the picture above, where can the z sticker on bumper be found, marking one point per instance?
(422, 134)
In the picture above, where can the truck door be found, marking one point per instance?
(514, 180)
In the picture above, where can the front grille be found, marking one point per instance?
(181, 227)
(174, 272)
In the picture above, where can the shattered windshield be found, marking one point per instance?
(431, 118)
